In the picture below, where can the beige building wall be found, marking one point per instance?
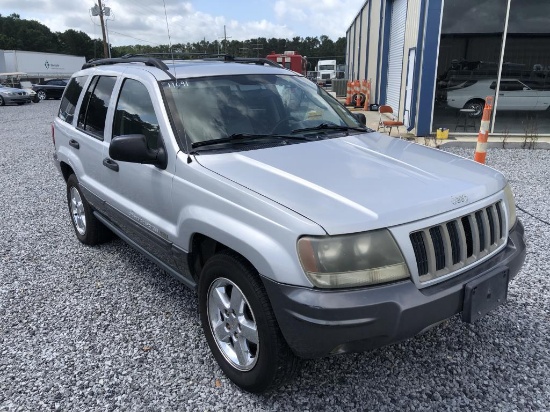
(357, 50)
(375, 59)
(362, 52)
(411, 40)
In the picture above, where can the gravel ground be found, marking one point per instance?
(101, 328)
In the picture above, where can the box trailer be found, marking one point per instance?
(40, 65)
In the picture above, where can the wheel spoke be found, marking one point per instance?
(237, 301)
(220, 300)
(249, 331)
(241, 350)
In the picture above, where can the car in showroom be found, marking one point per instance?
(12, 95)
(513, 95)
(303, 232)
(50, 89)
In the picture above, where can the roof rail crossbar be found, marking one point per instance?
(147, 60)
(178, 55)
(255, 60)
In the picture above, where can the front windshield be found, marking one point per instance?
(212, 108)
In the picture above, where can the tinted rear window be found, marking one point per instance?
(70, 98)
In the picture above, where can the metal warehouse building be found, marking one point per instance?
(436, 61)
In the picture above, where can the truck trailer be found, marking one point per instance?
(40, 65)
(290, 60)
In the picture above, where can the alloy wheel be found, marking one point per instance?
(233, 325)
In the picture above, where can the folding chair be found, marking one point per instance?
(387, 119)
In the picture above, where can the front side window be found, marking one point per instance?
(93, 111)
(70, 98)
(135, 114)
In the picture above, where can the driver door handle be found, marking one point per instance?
(111, 164)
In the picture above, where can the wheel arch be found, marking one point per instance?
(66, 170)
(265, 253)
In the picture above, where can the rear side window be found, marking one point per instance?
(135, 113)
(70, 98)
(94, 107)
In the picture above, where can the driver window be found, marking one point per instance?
(135, 113)
(302, 106)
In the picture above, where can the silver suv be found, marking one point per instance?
(305, 233)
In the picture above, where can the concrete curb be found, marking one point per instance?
(498, 145)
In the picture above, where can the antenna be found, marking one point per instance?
(168, 30)
(189, 159)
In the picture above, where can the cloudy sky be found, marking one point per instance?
(143, 21)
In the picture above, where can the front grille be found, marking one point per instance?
(450, 246)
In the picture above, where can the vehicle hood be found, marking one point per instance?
(360, 182)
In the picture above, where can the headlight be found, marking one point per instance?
(510, 203)
(360, 259)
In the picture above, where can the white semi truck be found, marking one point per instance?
(326, 71)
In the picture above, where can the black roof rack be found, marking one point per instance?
(147, 60)
(155, 60)
(256, 60)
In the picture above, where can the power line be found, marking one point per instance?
(135, 38)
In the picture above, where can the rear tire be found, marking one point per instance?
(88, 229)
(240, 325)
(2, 102)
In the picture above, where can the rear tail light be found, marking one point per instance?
(53, 134)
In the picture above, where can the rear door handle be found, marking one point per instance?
(74, 144)
(111, 164)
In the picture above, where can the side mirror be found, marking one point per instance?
(361, 117)
(133, 148)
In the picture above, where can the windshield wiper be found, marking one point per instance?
(244, 137)
(326, 126)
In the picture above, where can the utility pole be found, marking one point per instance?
(100, 10)
(105, 49)
(257, 48)
(224, 40)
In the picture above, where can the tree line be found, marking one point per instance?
(31, 35)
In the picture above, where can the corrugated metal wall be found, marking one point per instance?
(394, 91)
(372, 39)
(374, 60)
(364, 15)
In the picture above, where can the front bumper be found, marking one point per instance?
(317, 322)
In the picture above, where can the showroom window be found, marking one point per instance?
(477, 48)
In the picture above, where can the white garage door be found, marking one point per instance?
(395, 58)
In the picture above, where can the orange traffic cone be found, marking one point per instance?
(349, 94)
(483, 136)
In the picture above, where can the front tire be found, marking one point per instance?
(88, 229)
(477, 105)
(2, 102)
(41, 94)
(240, 326)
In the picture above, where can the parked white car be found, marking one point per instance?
(513, 95)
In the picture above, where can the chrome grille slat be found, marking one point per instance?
(452, 245)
